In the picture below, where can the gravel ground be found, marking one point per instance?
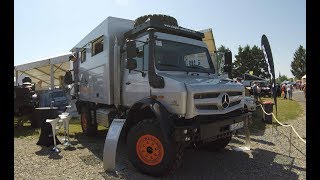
(268, 158)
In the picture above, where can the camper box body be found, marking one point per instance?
(96, 70)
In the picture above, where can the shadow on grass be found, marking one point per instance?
(95, 143)
(22, 127)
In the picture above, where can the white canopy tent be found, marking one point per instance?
(45, 73)
(304, 78)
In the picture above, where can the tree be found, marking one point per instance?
(250, 59)
(298, 65)
(280, 79)
(223, 48)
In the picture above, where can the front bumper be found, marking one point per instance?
(206, 131)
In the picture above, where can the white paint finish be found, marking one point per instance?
(135, 88)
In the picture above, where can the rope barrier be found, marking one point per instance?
(285, 125)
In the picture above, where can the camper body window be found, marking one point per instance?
(83, 56)
(97, 46)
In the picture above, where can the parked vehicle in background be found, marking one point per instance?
(56, 98)
(25, 100)
(249, 104)
(265, 89)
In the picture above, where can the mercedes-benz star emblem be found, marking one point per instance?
(225, 101)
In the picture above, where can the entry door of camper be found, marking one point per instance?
(136, 84)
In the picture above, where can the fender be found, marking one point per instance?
(161, 113)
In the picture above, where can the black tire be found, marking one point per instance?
(159, 17)
(171, 155)
(88, 125)
(216, 145)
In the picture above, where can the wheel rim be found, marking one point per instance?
(150, 150)
(84, 121)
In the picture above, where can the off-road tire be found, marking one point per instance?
(217, 144)
(171, 155)
(89, 128)
(159, 17)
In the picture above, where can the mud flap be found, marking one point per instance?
(110, 144)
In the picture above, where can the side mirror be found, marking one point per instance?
(131, 64)
(131, 49)
(227, 63)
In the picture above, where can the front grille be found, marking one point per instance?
(234, 103)
(206, 107)
(206, 95)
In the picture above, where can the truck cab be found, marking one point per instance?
(161, 79)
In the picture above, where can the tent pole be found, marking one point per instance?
(51, 75)
(17, 76)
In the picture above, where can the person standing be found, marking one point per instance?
(259, 91)
(284, 90)
(254, 91)
(278, 90)
(290, 89)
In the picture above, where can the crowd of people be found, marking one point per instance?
(284, 90)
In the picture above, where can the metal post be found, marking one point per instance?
(247, 132)
(51, 75)
(247, 143)
(272, 130)
(17, 75)
(290, 141)
(116, 74)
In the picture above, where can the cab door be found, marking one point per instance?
(136, 84)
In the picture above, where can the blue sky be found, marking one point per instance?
(45, 28)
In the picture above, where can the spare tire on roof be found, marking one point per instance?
(159, 17)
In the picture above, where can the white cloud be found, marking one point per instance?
(122, 2)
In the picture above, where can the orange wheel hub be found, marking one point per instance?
(150, 150)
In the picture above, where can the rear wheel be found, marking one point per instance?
(217, 144)
(88, 123)
(149, 151)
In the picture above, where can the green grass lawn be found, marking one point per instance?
(287, 110)
(24, 130)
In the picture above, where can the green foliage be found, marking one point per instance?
(298, 65)
(280, 79)
(223, 48)
(250, 59)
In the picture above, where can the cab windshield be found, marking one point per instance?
(176, 56)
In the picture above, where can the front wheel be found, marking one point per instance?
(148, 150)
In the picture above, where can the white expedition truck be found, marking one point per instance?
(161, 79)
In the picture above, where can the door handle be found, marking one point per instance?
(127, 83)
